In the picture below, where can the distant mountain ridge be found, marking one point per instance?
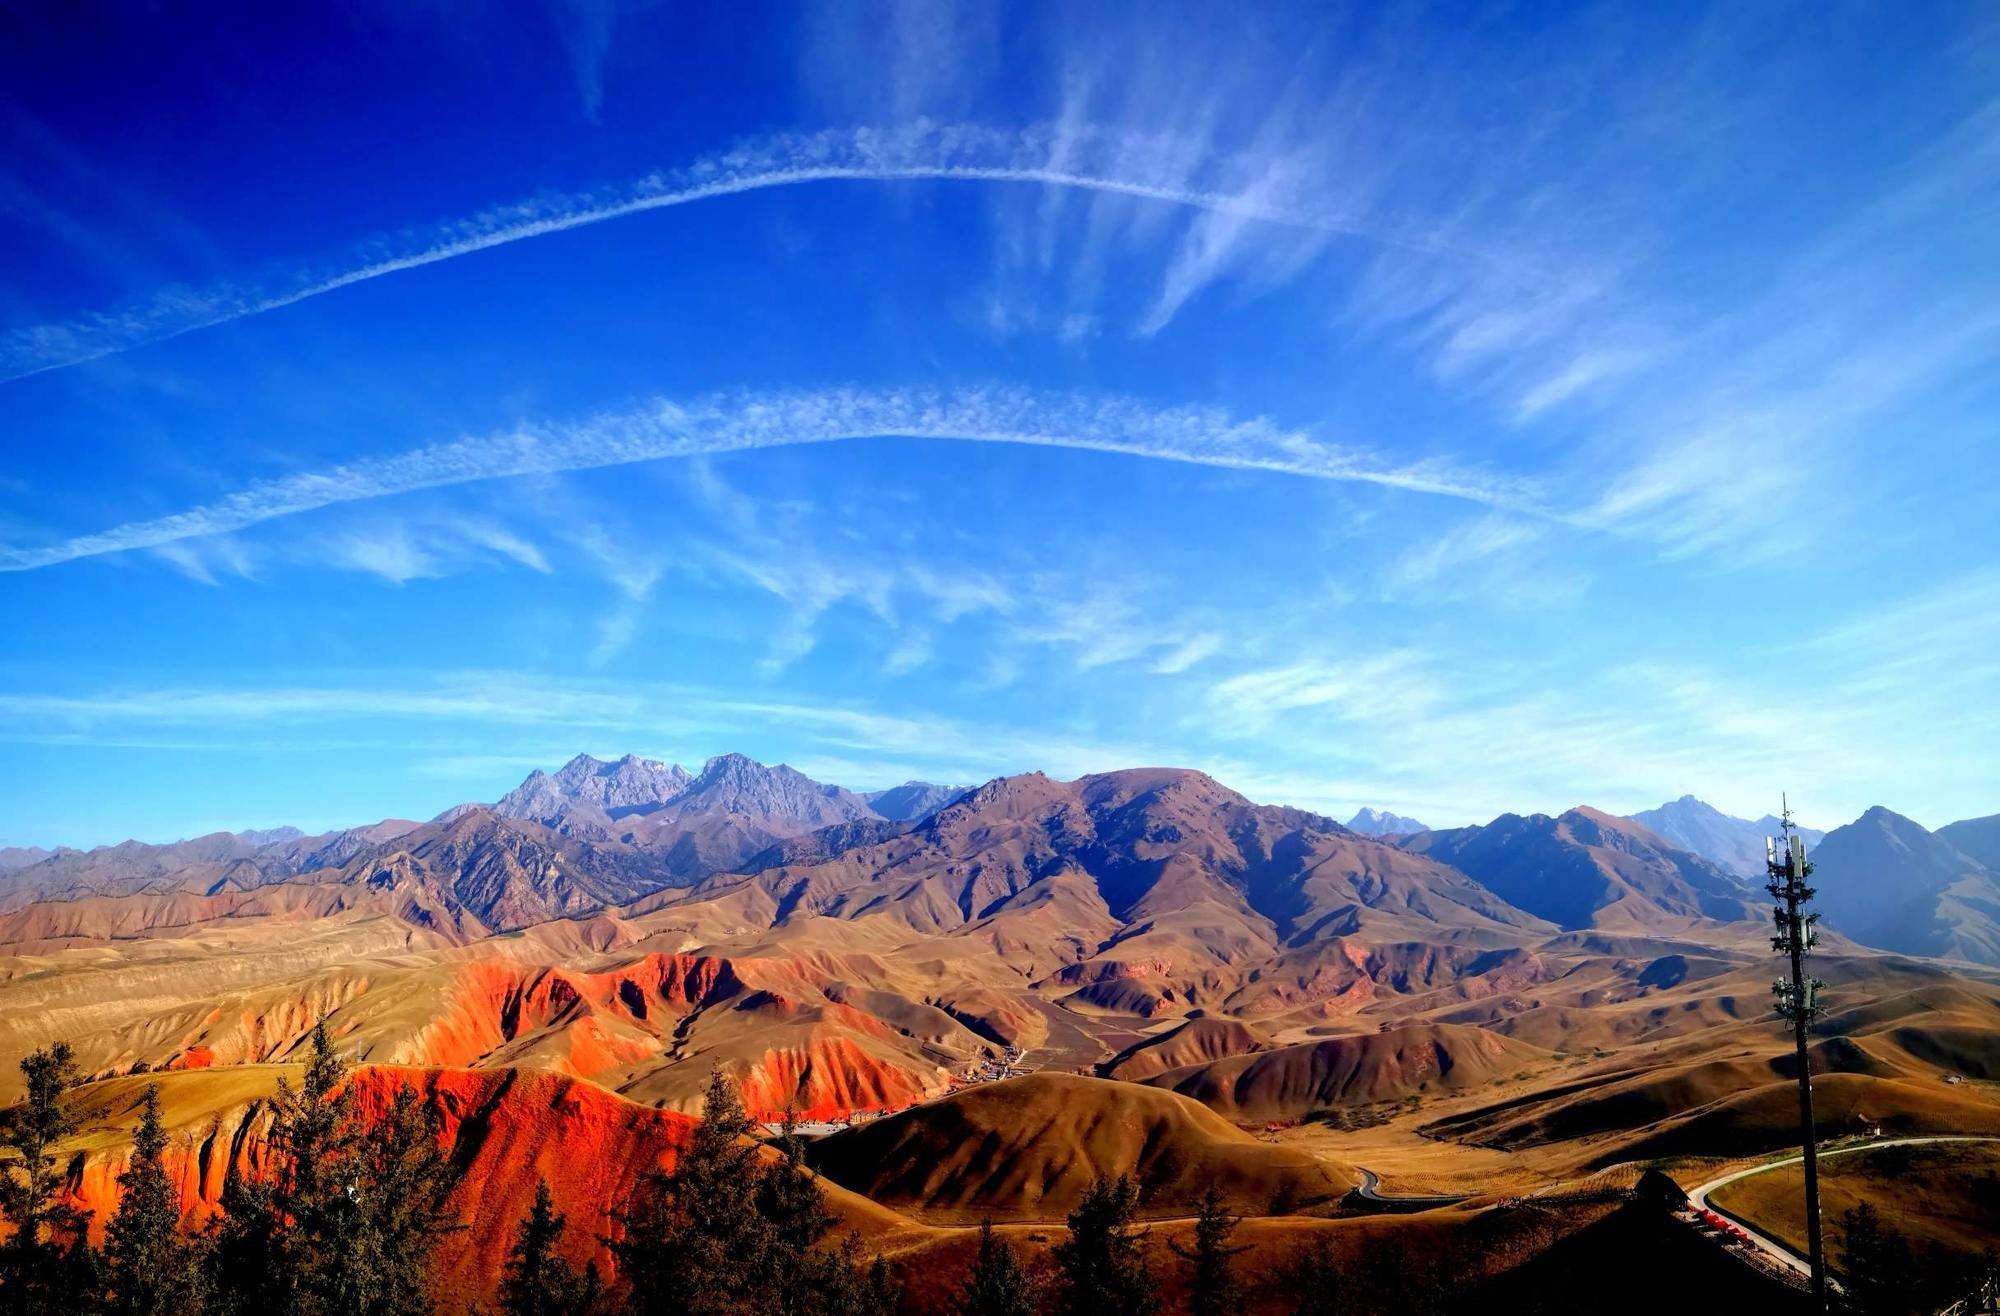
(913, 801)
(1886, 881)
(1164, 871)
(1978, 838)
(1380, 822)
(591, 833)
(1735, 843)
(1588, 869)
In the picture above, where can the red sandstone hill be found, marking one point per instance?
(504, 1131)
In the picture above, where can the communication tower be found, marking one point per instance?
(1798, 1001)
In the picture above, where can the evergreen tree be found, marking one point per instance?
(537, 1282)
(800, 1276)
(693, 1240)
(46, 1264)
(1313, 1280)
(347, 1219)
(284, 1239)
(794, 1211)
(1212, 1286)
(841, 1285)
(1103, 1267)
(998, 1285)
(1878, 1269)
(150, 1266)
(397, 1190)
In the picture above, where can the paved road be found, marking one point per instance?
(1369, 1191)
(1771, 1247)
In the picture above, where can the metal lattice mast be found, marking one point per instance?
(1798, 1002)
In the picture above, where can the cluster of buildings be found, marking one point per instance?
(989, 1070)
(1008, 1065)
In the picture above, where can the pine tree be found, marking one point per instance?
(1212, 1286)
(795, 1214)
(537, 1282)
(1103, 1267)
(46, 1263)
(1878, 1269)
(348, 1218)
(842, 1285)
(398, 1188)
(1314, 1282)
(998, 1285)
(283, 1240)
(151, 1267)
(693, 1240)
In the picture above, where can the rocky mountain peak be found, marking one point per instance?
(1380, 822)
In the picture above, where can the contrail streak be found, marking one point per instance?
(739, 422)
(1092, 160)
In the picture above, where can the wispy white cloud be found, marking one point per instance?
(586, 27)
(1888, 705)
(736, 423)
(1133, 165)
(436, 543)
(1194, 649)
(549, 718)
(1388, 687)
(500, 697)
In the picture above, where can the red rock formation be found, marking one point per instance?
(505, 1128)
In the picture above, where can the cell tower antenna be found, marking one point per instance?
(1798, 1002)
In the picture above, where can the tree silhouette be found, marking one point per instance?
(693, 1240)
(1313, 1280)
(46, 1264)
(537, 1282)
(1212, 1286)
(1103, 1268)
(150, 1267)
(348, 1217)
(398, 1188)
(1878, 1270)
(998, 1285)
(796, 1218)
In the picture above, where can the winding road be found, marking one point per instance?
(1369, 1191)
(1771, 1247)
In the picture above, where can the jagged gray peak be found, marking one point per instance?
(738, 784)
(626, 785)
(1735, 843)
(219, 860)
(913, 801)
(1380, 822)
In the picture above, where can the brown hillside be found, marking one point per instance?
(1346, 1071)
(1029, 1147)
(1192, 1043)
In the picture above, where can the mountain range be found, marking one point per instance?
(596, 831)
(1886, 881)
(1517, 1004)
(1735, 843)
(1587, 869)
(1171, 851)
(1380, 822)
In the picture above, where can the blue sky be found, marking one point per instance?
(1444, 408)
